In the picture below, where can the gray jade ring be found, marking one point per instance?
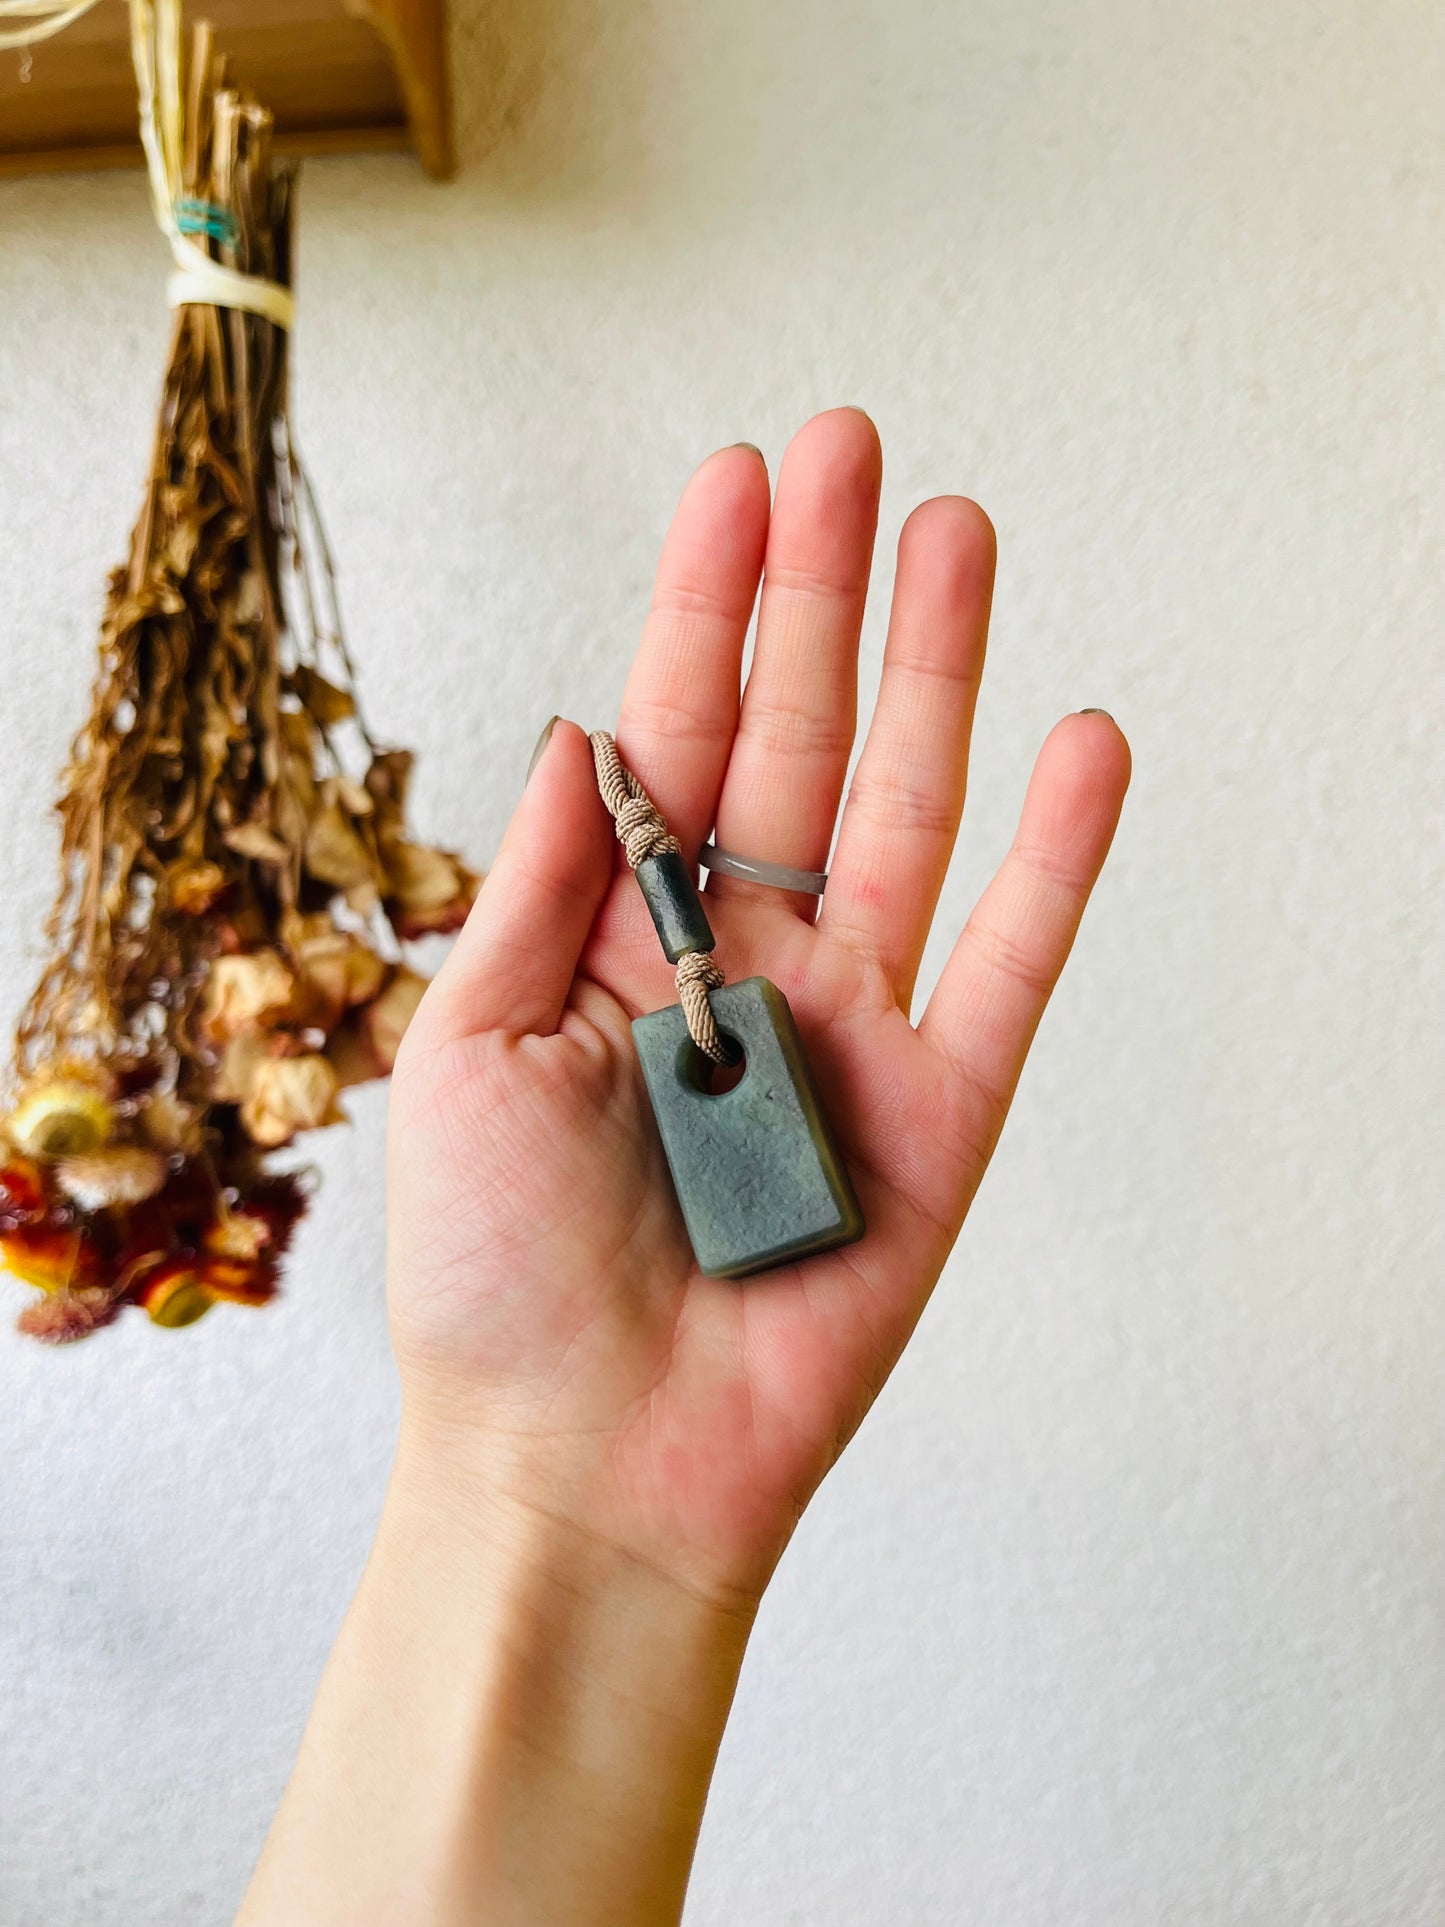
(750, 869)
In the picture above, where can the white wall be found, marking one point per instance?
(1125, 1607)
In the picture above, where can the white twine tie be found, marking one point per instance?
(155, 45)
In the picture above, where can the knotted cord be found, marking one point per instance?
(643, 833)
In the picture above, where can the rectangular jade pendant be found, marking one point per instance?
(757, 1173)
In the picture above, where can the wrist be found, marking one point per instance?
(584, 1483)
(519, 1723)
(515, 1546)
(597, 1691)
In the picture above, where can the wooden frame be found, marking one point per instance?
(338, 74)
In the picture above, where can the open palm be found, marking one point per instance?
(545, 1302)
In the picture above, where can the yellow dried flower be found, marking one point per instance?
(173, 1296)
(60, 1118)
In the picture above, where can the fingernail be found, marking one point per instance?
(1082, 712)
(542, 742)
(752, 449)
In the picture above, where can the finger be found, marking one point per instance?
(513, 962)
(780, 796)
(680, 706)
(906, 796)
(995, 986)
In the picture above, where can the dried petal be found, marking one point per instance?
(22, 1195)
(289, 1094)
(242, 988)
(335, 854)
(65, 1316)
(351, 796)
(194, 887)
(350, 1056)
(250, 603)
(123, 1175)
(52, 1256)
(181, 547)
(169, 1124)
(299, 733)
(410, 925)
(280, 1202)
(257, 842)
(419, 877)
(237, 1234)
(364, 898)
(235, 1073)
(238, 1281)
(383, 1022)
(429, 891)
(337, 971)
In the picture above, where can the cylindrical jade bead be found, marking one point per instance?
(676, 907)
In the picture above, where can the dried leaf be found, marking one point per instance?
(389, 776)
(328, 704)
(249, 606)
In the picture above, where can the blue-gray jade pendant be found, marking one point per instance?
(756, 1171)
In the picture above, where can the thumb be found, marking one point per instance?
(512, 965)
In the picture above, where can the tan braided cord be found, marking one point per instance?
(642, 833)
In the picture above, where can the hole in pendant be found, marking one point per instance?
(713, 1080)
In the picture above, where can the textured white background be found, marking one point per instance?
(1125, 1607)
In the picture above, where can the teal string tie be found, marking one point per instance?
(204, 217)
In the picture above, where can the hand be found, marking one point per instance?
(551, 1327)
(603, 1452)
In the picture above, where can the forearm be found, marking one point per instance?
(516, 1725)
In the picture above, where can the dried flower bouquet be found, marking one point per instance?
(236, 870)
